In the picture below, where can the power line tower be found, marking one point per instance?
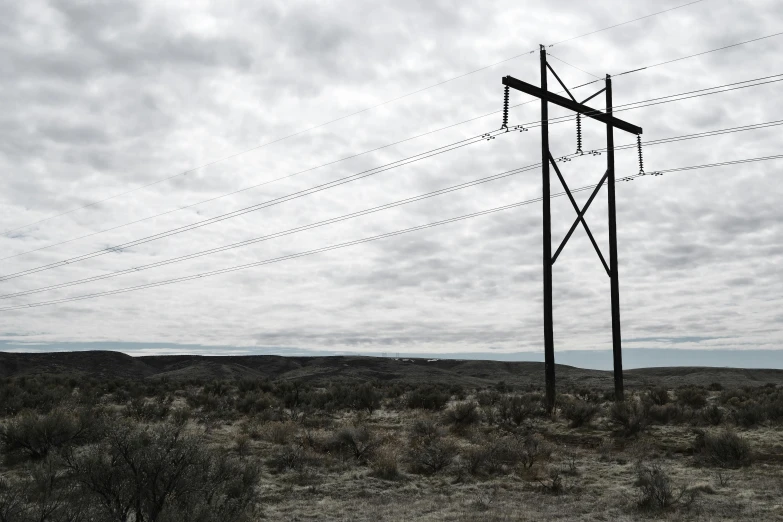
(609, 177)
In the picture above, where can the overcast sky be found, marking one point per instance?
(99, 98)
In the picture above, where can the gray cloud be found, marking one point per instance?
(101, 97)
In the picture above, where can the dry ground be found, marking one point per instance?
(373, 453)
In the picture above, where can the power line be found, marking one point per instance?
(624, 23)
(258, 206)
(363, 240)
(347, 179)
(275, 235)
(533, 124)
(573, 66)
(685, 57)
(668, 98)
(276, 140)
(372, 210)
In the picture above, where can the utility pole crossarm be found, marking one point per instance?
(570, 104)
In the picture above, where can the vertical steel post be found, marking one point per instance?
(549, 337)
(615, 279)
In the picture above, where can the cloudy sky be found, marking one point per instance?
(101, 98)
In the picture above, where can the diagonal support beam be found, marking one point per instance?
(580, 216)
(592, 96)
(561, 82)
(551, 97)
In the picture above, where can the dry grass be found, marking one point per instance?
(495, 456)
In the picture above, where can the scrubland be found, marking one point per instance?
(255, 449)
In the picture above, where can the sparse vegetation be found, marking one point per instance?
(85, 449)
(725, 449)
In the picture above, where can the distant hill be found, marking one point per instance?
(108, 364)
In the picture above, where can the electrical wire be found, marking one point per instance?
(685, 57)
(378, 209)
(533, 124)
(624, 23)
(349, 157)
(365, 240)
(373, 210)
(573, 66)
(258, 206)
(314, 127)
(275, 235)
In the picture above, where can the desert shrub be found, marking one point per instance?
(36, 435)
(279, 432)
(366, 398)
(669, 413)
(357, 442)
(692, 397)
(713, 415)
(427, 398)
(774, 408)
(715, 386)
(658, 395)
(554, 483)
(429, 451)
(579, 413)
(630, 416)
(147, 411)
(431, 455)
(425, 429)
(663, 414)
(474, 459)
(749, 414)
(503, 387)
(462, 415)
(288, 458)
(656, 491)
(515, 410)
(725, 449)
(336, 397)
(502, 454)
(242, 445)
(534, 449)
(488, 397)
(41, 494)
(160, 474)
(384, 463)
(254, 402)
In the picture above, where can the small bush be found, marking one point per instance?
(384, 463)
(515, 410)
(713, 415)
(658, 396)
(357, 442)
(692, 397)
(655, 488)
(288, 458)
(534, 449)
(425, 429)
(242, 445)
(629, 416)
(147, 411)
(280, 432)
(35, 436)
(749, 414)
(462, 415)
(725, 449)
(430, 456)
(428, 398)
(580, 413)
